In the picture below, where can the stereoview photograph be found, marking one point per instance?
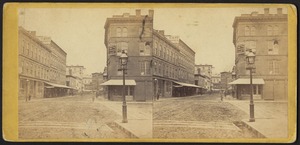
(153, 73)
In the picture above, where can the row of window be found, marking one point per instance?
(143, 32)
(272, 46)
(39, 71)
(34, 51)
(165, 52)
(271, 30)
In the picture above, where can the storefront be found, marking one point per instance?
(242, 88)
(115, 87)
(56, 90)
(181, 89)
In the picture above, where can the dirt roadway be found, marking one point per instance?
(197, 117)
(66, 117)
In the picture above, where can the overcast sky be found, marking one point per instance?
(80, 31)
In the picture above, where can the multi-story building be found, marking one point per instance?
(36, 67)
(268, 34)
(97, 79)
(57, 61)
(78, 72)
(87, 82)
(155, 61)
(205, 70)
(216, 82)
(226, 77)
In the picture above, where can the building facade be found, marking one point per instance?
(216, 82)
(226, 77)
(156, 62)
(205, 70)
(97, 79)
(268, 34)
(37, 67)
(78, 72)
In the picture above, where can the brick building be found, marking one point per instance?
(41, 63)
(157, 63)
(268, 34)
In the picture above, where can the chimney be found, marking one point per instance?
(33, 33)
(279, 11)
(138, 12)
(266, 10)
(162, 32)
(125, 14)
(151, 13)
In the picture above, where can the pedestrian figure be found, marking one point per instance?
(29, 97)
(157, 95)
(221, 93)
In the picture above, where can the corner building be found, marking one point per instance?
(156, 62)
(268, 35)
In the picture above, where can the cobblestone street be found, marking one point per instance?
(198, 117)
(67, 117)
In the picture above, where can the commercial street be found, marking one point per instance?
(67, 117)
(203, 116)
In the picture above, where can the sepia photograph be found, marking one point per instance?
(154, 72)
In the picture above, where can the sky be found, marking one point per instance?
(80, 31)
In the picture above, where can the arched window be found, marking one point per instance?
(247, 31)
(118, 32)
(253, 30)
(124, 32)
(269, 30)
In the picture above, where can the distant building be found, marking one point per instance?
(204, 70)
(41, 64)
(226, 77)
(268, 34)
(97, 79)
(156, 62)
(87, 82)
(216, 82)
(78, 72)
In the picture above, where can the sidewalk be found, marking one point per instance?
(139, 116)
(271, 119)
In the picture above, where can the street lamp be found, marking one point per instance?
(250, 57)
(123, 60)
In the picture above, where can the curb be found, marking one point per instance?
(257, 133)
(132, 135)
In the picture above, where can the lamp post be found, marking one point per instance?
(250, 57)
(123, 60)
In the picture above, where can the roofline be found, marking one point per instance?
(24, 31)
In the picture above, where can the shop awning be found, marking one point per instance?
(52, 85)
(186, 85)
(245, 81)
(119, 83)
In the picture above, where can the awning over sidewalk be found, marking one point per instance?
(245, 81)
(185, 85)
(119, 83)
(57, 86)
